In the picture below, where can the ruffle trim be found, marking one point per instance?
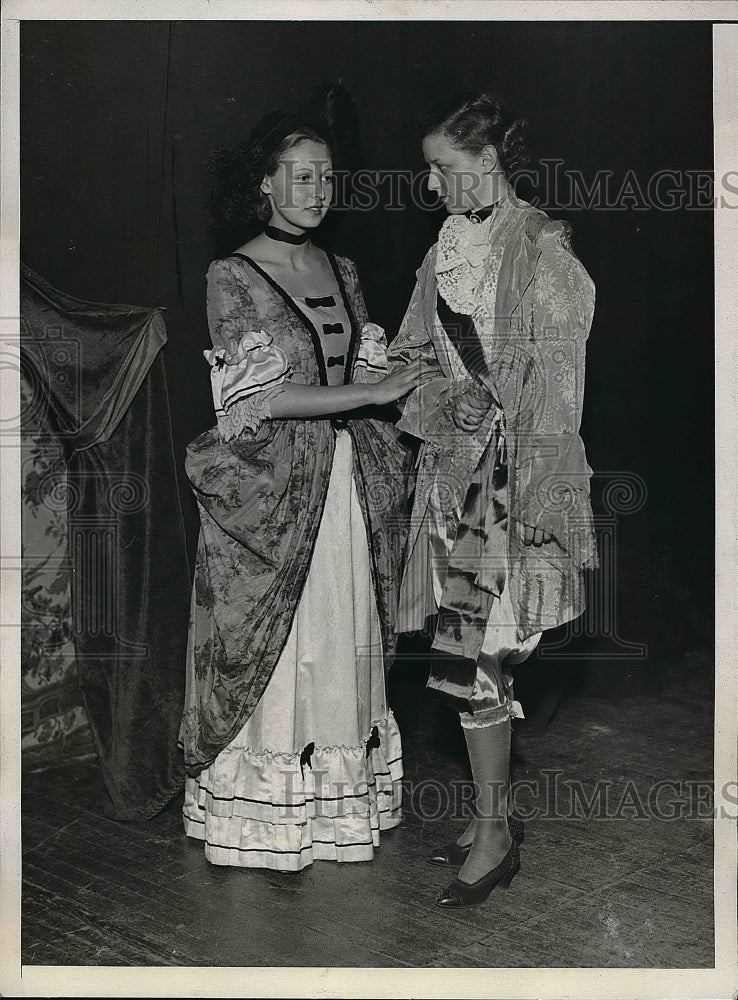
(267, 810)
(371, 360)
(246, 414)
(463, 249)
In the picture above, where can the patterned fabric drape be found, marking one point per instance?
(106, 582)
(51, 702)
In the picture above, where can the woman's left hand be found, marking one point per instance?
(469, 412)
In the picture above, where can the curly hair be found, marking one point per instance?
(472, 121)
(236, 201)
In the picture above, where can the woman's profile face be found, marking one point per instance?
(457, 177)
(301, 188)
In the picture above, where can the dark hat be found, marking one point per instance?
(329, 112)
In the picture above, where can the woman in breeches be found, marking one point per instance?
(501, 531)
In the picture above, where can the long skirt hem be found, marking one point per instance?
(289, 814)
(315, 772)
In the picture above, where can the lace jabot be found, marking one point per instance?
(463, 247)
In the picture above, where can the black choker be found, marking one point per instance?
(480, 214)
(279, 234)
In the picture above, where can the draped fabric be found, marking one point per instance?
(51, 702)
(533, 308)
(261, 495)
(99, 371)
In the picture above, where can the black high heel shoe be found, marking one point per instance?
(453, 854)
(473, 893)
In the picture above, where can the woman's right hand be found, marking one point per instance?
(403, 381)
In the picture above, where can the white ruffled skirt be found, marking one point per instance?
(316, 771)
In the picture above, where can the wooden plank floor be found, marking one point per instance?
(624, 890)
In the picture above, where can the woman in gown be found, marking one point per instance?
(292, 752)
(502, 526)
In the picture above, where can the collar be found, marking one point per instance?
(480, 214)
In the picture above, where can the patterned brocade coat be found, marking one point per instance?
(260, 497)
(532, 309)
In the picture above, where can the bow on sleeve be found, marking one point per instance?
(255, 366)
(371, 359)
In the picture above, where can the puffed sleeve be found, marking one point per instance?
(247, 369)
(371, 357)
(552, 470)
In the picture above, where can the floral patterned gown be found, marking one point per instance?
(296, 586)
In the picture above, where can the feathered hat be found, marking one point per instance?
(330, 113)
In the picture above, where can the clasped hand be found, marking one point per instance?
(533, 536)
(469, 411)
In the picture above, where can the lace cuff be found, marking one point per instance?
(244, 382)
(371, 360)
